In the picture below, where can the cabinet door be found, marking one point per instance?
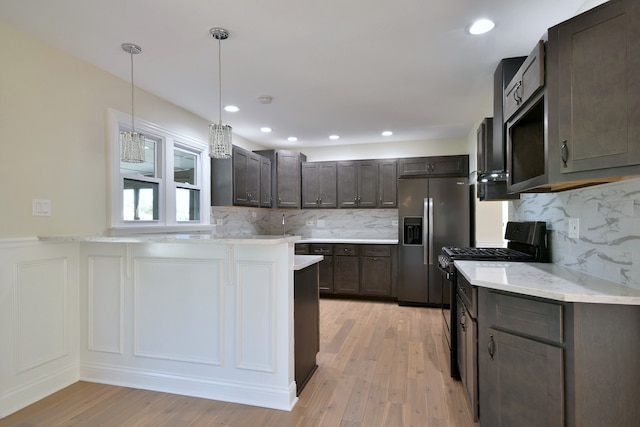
(367, 184)
(288, 179)
(347, 184)
(521, 381)
(527, 81)
(246, 177)
(387, 184)
(599, 94)
(376, 276)
(265, 182)
(327, 182)
(346, 275)
(326, 275)
(253, 179)
(326, 265)
(310, 185)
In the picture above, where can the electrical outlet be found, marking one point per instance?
(253, 214)
(574, 228)
(321, 223)
(394, 223)
(309, 224)
(219, 221)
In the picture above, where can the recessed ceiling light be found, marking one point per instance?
(231, 108)
(265, 129)
(334, 137)
(387, 133)
(481, 26)
(292, 139)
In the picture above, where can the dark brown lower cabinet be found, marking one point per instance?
(346, 275)
(548, 363)
(363, 270)
(376, 275)
(306, 314)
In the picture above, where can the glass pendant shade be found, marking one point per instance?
(219, 141)
(132, 145)
(219, 134)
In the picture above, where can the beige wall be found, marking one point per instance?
(53, 111)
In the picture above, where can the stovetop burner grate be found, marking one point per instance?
(496, 254)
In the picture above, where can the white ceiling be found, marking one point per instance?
(348, 67)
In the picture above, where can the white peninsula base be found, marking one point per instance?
(208, 319)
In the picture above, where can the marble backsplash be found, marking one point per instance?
(309, 223)
(608, 243)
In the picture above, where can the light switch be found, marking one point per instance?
(41, 207)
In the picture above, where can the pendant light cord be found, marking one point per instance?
(220, 80)
(132, 103)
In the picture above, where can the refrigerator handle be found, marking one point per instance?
(427, 231)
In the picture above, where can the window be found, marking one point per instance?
(170, 189)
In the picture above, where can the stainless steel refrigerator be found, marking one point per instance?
(432, 213)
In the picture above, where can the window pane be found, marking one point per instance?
(187, 204)
(184, 167)
(140, 201)
(148, 168)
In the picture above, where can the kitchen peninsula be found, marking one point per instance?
(191, 314)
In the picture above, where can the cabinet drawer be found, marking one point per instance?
(535, 318)
(302, 248)
(321, 249)
(376, 250)
(346, 249)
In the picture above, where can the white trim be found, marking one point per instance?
(169, 139)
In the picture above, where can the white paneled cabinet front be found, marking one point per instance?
(206, 320)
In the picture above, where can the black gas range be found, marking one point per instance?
(526, 242)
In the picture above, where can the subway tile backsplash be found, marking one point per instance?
(308, 223)
(608, 242)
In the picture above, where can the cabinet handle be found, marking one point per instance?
(564, 153)
(463, 325)
(320, 200)
(516, 95)
(491, 347)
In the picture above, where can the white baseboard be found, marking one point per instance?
(13, 400)
(248, 394)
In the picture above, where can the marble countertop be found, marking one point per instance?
(549, 281)
(177, 238)
(361, 241)
(304, 261)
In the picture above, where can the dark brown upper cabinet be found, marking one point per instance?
(598, 91)
(285, 177)
(358, 184)
(319, 183)
(434, 166)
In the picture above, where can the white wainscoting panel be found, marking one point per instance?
(178, 306)
(256, 320)
(40, 307)
(105, 303)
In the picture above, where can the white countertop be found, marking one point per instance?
(304, 261)
(177, 238)
(549, 281)
(361, 241)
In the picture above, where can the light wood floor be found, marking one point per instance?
(379, 365)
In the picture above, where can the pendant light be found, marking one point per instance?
(132, 149)
(219, 134)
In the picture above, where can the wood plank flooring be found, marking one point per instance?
(379, 365)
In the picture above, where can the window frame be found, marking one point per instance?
(166, 142)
